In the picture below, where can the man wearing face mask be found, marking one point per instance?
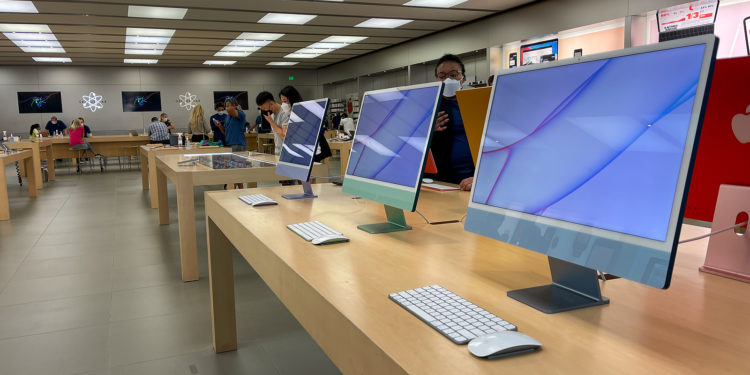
(450, 147)
(217, 122)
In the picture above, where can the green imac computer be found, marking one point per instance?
(593, 169)
(390, 149)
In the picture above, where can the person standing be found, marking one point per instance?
(217, 122)
(450, 146)
(276, 116)
(169, 124)
(55, 125)
(158, 131)
(347, 123)
(198, 125)
(234, 128)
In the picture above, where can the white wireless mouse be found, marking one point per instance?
(501, 344)
(264, 203)
(331, 238)
(427, 180)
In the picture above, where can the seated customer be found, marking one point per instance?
(347, 123)
(450, 147)
(54, 125)
(86, 129)
(76, 138)
(158, 132)
(34, 131)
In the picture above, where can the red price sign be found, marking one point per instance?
(696, 13)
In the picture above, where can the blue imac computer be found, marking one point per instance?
(390, 149)
(301, 142)
(592, 170)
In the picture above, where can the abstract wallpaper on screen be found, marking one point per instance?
(391, 136)
(302, 133)
(597, 143)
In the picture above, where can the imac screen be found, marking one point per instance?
(302, 134)
(392, 135)
(602, 145)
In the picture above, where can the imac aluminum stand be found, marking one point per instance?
(573, 287)
(307, 192)
(396, 222)
(728, 253)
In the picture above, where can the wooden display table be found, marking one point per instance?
(107, 145)
(148, 163)
(263, 138)
(339, 293)
(37, 146)
(27, 158)
(252, 141)
(345, 149)
(185, 177)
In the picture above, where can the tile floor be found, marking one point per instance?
(90, 284)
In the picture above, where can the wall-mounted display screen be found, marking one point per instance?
(39, 102)
(141, 101)
(222, 96)
(539, 52)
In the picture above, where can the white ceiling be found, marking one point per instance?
(93, 32)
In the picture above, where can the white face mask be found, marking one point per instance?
(222, 112)
(451, 86)
(286, 107)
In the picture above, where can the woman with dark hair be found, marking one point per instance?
(33, 131)
(289, 96)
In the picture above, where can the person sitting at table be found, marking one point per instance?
(86, 129)
(219, 118)
(158, 132)
(34, 131)
(54, 125)
(347, 123)
(76, 138)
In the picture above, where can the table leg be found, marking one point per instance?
(344, 156)
(37, 166)
(31, 181)
(4, 205)
(50, 164)
(186, 223)
(221, 284)
(151, 178)
(161, 188)
(144, 169)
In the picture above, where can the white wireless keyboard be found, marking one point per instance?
(454, 317)
(257, 200)
(312, 229)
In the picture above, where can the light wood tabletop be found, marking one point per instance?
(25, 157)
(148, 163)
(186, 176)
(339, 293)
(107, 145)
(37, 146)
(345, 149)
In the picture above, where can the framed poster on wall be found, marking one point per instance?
(39, 102)
(536, 53)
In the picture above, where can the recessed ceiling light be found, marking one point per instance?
(260, 36)
(299, 55)
(344, 39)
(434, 3)
(219, 62)
(231, 54)
(17, 7)
(53, 59)
(247, 43)
(144, 41)
(287, 18)
(283, 63)
(383, 23)
(140, 61)
(32, 37)
(156, 12)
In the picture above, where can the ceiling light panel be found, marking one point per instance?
(287, 18)
(219, 62)
(32, 38)
(434, 3)
(283, 63)
(247, 43)
(17, 7)
(53, 59)
(326, 45)
(299, 55)
(383, 23)
(156, 12)
(344, 39)
(140, 61)
(144, 41)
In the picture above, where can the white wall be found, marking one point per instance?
(75, 82)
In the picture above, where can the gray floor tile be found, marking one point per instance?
(66, 250)
(308, 358)
(60, 353)
(48, 288)
(48, 316)
(145, 276)
(160, 300)
(90, 263)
